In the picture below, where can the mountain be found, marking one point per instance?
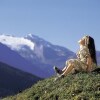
(34, 54)
(81, 86)
(49, 53)
(12, 58)
(13, 81)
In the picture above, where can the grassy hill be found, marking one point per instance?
(81, 86)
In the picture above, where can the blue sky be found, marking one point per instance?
(61, 22)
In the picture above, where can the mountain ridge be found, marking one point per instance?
(13, 81)
(17, 61)
(42, 55)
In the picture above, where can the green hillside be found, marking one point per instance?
(81, 86)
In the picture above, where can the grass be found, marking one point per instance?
(81, 86)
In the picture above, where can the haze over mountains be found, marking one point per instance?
(33, 54)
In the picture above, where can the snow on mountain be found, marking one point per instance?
(33, 54)
(13, 59)
(40, 54)
(52, 54)
(23, 45)
(16, 43)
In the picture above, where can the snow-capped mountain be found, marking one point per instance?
(12, 58)
(50, 54)
(16, 43)
(35, 52)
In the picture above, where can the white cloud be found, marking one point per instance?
(16, 42)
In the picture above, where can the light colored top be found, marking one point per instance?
(83, 53)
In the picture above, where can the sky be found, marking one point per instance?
(61, 22)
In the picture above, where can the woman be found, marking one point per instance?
(86, 58)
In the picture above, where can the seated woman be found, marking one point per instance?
(86, 58)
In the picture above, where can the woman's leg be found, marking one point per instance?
(68, 69)
(66, 64)
(64, 69)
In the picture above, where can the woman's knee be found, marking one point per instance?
(70, 62)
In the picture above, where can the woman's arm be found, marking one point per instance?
(89, 64)
(78, 54)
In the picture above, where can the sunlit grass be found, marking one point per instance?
(81, 86)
